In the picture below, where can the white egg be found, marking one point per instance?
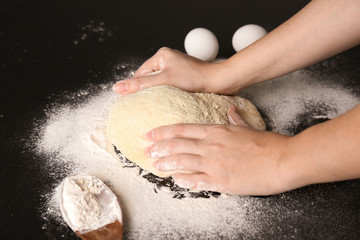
(246, 35)
(201, 43)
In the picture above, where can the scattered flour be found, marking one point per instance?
(94, 29)
(76, 135)
(73, 135)
(297, 97)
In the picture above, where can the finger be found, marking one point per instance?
(135, 84)
(235, 118)
(172, 147)
(153, 64)
(197, 182)
(183, 130)
(178, 162)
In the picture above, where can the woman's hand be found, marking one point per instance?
(332, 25)
(228, 159)
(173, 68)
(240, 160)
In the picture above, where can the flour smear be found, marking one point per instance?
(72, 138)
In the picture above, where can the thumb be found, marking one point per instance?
(235, 118)
(156, 63)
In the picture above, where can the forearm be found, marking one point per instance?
(324, 153)
(320, 30)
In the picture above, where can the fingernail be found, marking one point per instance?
(120, 87)
(183, 183)
(234, 110)
(157, 153)
(231, 120)
(153, 152)
(235, 118)
(156, 165)
(167, 166)
(149, 135)
(147, 151)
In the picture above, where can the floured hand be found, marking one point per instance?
(229, 159)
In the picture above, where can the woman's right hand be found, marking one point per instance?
(173, 68)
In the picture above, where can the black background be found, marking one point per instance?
(42, 54)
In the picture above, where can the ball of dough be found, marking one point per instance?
(134, 115)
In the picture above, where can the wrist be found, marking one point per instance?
(226, 78)
(297, 166)
(237, 73)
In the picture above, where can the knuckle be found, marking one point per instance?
(166, 54)
(215, 130)
(179, 162)
(164, 49)
(216, 148)
(171, 145)
(201, 163)
(176, 158)
(179, 130)
(135, 84)
(210, 130)
(223, 129)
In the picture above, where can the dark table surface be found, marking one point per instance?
(45, 49)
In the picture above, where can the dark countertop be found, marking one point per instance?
(44, 52)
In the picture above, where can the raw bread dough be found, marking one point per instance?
(134, 115)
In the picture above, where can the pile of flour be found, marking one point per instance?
(80, 203)
(73, 136)
(87, 204)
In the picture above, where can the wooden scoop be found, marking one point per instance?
(110, 209)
